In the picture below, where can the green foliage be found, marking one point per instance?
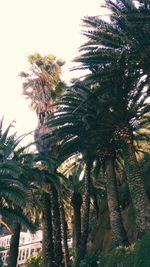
(120, 255)
(14, 187)
(90, 260)
(43, 84)
(34, 261)
(136, 255)
(142, 255)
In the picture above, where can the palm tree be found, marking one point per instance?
(52, 246)
(12, 187)
(42, 87)
(127, 115)
(82, 103)
(79, 131)
(43, 84)
(118, 64)
(27, 170)
(14, 191)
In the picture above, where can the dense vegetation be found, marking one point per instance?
(89, 177)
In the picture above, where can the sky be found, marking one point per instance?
(44, 26)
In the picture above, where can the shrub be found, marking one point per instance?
(136, 255)
(120, 256)
(34, 261)
(90, 260)
(142, 255)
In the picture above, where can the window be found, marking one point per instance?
(27, 253)
(20, 252)
(23, 255)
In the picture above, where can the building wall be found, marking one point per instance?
(29, 245)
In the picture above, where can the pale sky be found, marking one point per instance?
(44, 26)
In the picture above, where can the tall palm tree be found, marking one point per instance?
(116, 61)
(79, 131)
(52, 246)
(82, 103)
(42, 86)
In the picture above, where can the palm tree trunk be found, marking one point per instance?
(76, 201)
(81, 251)
(58, 254)
(119, 236)
(14, 245)
(95, 203)
(47, 242)
(64, 236)
(136, 186)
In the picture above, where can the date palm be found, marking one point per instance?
(15, 189)
(80, 131)
(12, 187)
(126, 102)
(116, 61)
(128, 112)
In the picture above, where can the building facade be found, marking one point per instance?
(29, 244)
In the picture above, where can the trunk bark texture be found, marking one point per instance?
(14, 245)
(96, 207)
(47, 243)
(58, 254)
(64, 236)
(119, 236)
(138, 194)
(81, 251)
(76, 201)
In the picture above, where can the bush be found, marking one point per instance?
(120, 256)
(142, 255)
(90, 260)
(34, 261)
(136, 255)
